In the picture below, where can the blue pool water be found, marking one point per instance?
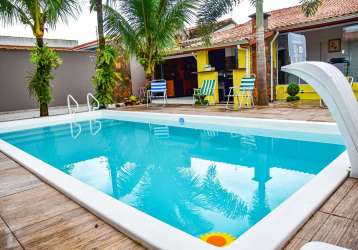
(198, 181)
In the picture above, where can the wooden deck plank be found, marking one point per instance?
(7, 239)
(332, 230)
(3, 228)
(6, 164)
(16, 179)
(312, 226)
(338, 196)
(348, 207)
(9, 242)
(350, 237)
(3, 156)
(75, 229)
(32, 206)
(295, 244)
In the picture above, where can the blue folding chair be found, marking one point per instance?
(157, 87)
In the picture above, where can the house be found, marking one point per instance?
(232, 53)
(331, 36)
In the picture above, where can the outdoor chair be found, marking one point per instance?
(244, 93)
(157, 87)
(205, 91)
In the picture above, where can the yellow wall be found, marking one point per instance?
(202, 58)
(239, 73)
(307, 92)
(211, 75)
(241, 53)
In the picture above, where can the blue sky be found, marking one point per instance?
(84, 28)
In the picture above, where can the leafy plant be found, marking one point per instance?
(133, 99)
(200, 100)
(105, 77)
(45, 61)
(39, 15)
(148, 29)
(292, 90)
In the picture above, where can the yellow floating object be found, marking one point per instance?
(218, 239)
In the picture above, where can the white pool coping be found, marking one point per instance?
(272, 232)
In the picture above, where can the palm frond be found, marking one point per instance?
(211, 10)
(310, 7)
(228, 203)
(14, 11)
(171, 22)
(117, 27)
(60, 10)
(148, 28)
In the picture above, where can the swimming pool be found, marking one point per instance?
(204, 177)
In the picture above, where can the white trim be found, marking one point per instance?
(180, 56)
(271, 62)
(153, 233)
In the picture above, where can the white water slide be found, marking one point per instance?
(337, 94)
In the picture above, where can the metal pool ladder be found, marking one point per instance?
(69, 99)
(90, 107)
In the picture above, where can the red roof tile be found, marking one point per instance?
(284, 19)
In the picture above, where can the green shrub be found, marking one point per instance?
(292, 90)
(293, 98)
(200, 100)
(105, 77)
(45, 61)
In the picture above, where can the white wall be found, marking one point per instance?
(317, 43)
(137, 75)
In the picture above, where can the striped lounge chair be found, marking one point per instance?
(244, 93)
(206, 90)
(157, 87)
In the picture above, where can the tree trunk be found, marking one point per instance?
(43, 109)
(261, 55)
(40, 41)
(101, 40)
(43, 106)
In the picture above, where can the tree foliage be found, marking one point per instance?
(45, 61)
(39, 15)
(148, 28)
(105, 77)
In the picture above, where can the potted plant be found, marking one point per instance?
(292, 90)
(200, 100)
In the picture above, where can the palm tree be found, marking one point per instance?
(148, 29)
(38, 15)
(211, 10)
(96, 5)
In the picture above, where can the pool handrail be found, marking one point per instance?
(69, 99)
(88, 97)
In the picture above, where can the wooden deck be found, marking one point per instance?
(34, 215)
(336, 222)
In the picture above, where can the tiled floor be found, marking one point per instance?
(34, 215)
